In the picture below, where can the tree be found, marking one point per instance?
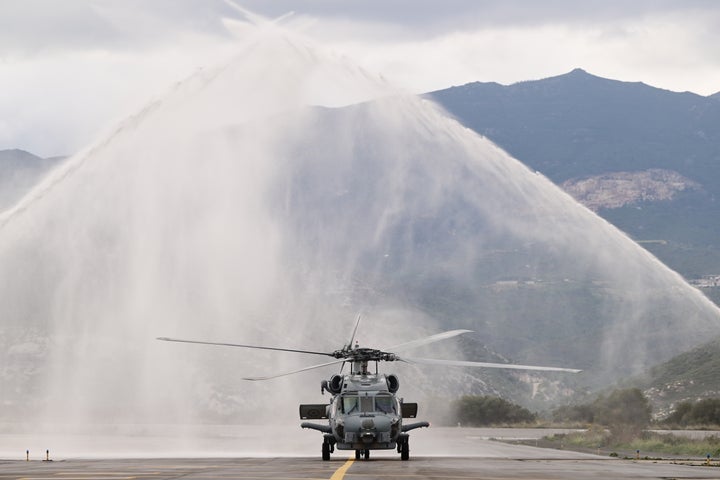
(703, 412)
(582, 413)
(487, 410)
(682, 415)
(625, 412)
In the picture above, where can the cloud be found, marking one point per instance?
(668, 48)
(430, 17)
(71, 69)
(42, 27)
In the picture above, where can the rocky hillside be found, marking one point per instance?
(690, 376)
(618, 189)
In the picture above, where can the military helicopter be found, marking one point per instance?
(364, 412)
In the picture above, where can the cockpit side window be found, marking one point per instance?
(384, 404)
(350, 404)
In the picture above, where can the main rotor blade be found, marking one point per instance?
(424, 341)
(352, 337)
(312, 367)
(462, 363)
(166, 339)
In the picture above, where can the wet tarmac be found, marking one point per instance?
(379, 467)
(449, 453)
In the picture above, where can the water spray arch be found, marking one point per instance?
(259, 201)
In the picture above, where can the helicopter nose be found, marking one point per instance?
(375, 429)
(368, 429)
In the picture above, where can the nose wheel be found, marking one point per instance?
(362, 453)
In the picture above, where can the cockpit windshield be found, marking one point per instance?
(378, 403)
(384, 404)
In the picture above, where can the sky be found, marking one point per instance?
(70, 70)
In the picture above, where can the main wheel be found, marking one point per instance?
(405, 451)
(357, 454)
(367, 454)
(326, 451)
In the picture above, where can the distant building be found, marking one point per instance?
(706, 281)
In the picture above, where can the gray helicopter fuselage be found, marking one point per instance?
(365, 415)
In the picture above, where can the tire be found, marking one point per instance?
(357, 455)
(405, 452)
(326, 451)
(367, 454)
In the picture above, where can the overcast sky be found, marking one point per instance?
(70, 69)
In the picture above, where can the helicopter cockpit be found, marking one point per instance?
(383, 403)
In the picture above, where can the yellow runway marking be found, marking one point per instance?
(340, 472)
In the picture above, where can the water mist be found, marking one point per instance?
(259, 203)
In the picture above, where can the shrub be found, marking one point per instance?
(488, 410)
(702, 412)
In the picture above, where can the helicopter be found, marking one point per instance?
(364, 412)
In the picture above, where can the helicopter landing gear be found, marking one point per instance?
(362, 453)
(328, 446)
(403, 447)
(405, 451)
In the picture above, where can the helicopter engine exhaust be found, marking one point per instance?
(334, 385)
(393, 383)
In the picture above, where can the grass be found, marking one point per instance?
(648, 443)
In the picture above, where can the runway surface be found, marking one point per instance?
(443, 453)
(339, 468)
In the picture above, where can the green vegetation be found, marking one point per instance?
(625, 412)
(619, 420)
(479, 411)
(647, 443)
(690, 375)
(703, 412)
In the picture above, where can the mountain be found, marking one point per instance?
(648, 158)
(19, 172)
